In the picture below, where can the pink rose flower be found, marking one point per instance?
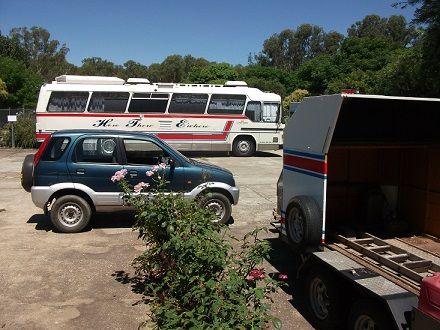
(149, 173)
(119, 175)
(282, 277)
(141, 185)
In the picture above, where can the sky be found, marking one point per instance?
(149, 31)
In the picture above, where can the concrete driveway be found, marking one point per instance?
(50, 280)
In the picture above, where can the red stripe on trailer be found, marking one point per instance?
(305, 163)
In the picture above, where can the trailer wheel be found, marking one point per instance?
(322, 299)
(303, 223)
(368, 314)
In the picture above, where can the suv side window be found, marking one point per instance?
(141, 152)
(56, 148)
(101, 150)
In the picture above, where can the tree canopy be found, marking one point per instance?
(382, 55)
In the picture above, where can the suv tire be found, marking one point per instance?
(27, 170)
(70, 213)
(218, 204)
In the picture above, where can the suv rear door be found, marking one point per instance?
(95, 158)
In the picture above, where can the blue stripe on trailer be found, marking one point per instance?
(304, 154)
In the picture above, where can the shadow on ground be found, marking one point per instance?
(123, 219)
(285, 261)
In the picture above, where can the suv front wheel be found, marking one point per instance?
(70, 213)
(219, 204)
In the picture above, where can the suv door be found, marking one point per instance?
(141, 155)
(94, 160)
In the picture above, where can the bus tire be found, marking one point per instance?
(368, 314)
(27, 171)
(243, 146)
(303, 223)
(322, 298)
(70, 213)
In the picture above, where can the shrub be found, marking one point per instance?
(194, 278)
(24, 131)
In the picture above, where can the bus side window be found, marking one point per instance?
(188, 103)
(67, 102)
(253, 111)
(105, 102)
(226, 104)
(148, 102)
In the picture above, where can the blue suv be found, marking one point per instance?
(70, 175)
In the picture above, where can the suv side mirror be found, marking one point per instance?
(172, 163)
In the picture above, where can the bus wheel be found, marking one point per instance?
(243, 146)
(368, 314)
(322, 299)
(303, 223)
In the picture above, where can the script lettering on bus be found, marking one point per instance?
(184, 123)
(137, 122)
(104, 123)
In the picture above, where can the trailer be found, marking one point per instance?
(360, 184)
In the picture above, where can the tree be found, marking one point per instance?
(46, 57)
(132, 69)
(96, 66)
(395, 29)
(428, 14)
(11, 48)
(21, 83)
(172, 69)
(216, 73)
(315, 75)
(290, 48)
(3, 90)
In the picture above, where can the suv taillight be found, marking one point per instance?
(40, 151)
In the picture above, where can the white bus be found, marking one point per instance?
(231, 117)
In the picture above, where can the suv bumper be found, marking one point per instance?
(40, 195)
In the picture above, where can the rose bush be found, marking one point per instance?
(193, 277)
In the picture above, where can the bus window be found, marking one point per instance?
(108, 102)
(227, 104)
(148, 102)
(253, 111)
(270, 112)
(188, 103)
(67, 102)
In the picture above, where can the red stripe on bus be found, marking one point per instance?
(180, 136)
(195, 136)
(306, 163)
(164, 116)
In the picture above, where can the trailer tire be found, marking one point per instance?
(368, 314)
(322, 298)
(303, 223)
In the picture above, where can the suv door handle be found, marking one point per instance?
(133, 174)
(80, 171)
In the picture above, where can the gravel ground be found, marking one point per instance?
(50, 280)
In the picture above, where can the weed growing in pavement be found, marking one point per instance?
(193, 277)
